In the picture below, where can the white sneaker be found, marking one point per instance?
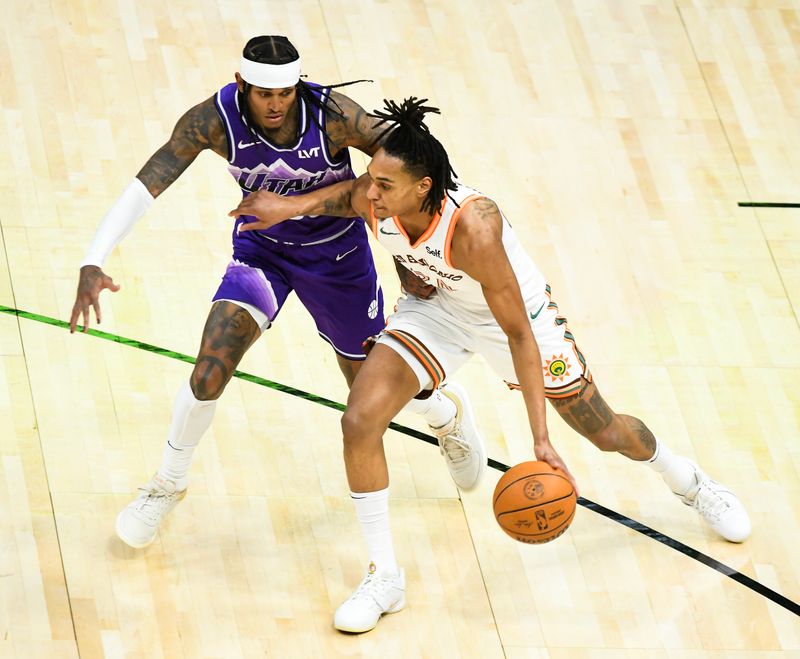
(718, 506)
(460, 441)
(138, 522)
(376, 594)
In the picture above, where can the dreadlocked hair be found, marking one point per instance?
(409, 139)
(278, 49)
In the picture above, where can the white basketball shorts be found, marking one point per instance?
(436, 343)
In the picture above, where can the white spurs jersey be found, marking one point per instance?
(429, 258)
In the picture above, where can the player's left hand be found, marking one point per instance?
(545, 452)
(267, 207)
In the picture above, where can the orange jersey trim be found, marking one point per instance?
(428, 232)
(451, 229)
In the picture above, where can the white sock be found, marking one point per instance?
(190, 419)
(437, 409)
(677, 471)
(372, 509)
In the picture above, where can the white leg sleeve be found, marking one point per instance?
(190, 420)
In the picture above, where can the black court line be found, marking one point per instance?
(767, 204)
(632, 524)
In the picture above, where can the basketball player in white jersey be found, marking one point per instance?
(491, 299)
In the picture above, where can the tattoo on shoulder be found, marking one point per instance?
(486, 207)
(199, 129)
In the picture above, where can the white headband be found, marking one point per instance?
(270, 76)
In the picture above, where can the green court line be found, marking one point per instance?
(242, 375)
(164, 352)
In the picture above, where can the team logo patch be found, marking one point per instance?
(373, 309)
(557, 368)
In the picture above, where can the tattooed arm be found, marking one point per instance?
(200, 128)
(354, 127)
(477, 249)
(344, 199)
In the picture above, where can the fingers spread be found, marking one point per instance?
(73, 319)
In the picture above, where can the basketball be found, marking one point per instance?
(534, 503)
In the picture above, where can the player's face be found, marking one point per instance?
(393, 190)
(269, 107)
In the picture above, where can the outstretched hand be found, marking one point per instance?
(91, 283)
(267, 207)
(545, 452)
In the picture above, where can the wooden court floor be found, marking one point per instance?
(619, 136)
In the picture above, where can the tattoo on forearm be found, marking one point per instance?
(340, 206)
(163, 168)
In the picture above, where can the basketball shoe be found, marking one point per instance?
(460, 441)
(376, 595)
(718, 506)
(138, 522)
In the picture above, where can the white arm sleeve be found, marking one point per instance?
(118, 222)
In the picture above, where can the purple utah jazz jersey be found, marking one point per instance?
(257, 164)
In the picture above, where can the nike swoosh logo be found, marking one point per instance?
(242, 145)
(390, 233)
(174, 447)
(339, 257)
(535, 315)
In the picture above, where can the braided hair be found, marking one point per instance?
(278, 49)
(409, 139)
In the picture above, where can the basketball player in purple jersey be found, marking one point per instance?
(288, 136)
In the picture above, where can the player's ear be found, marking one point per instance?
(424, 186)
(239, 82)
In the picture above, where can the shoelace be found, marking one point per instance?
(455, 447)
(369, 589)
(709, 503)
(156, 500)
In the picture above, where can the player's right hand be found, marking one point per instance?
(91, 283)
(546, 452)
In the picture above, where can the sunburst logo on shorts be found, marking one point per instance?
(557, 367)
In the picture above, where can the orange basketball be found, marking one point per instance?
(534, 503)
